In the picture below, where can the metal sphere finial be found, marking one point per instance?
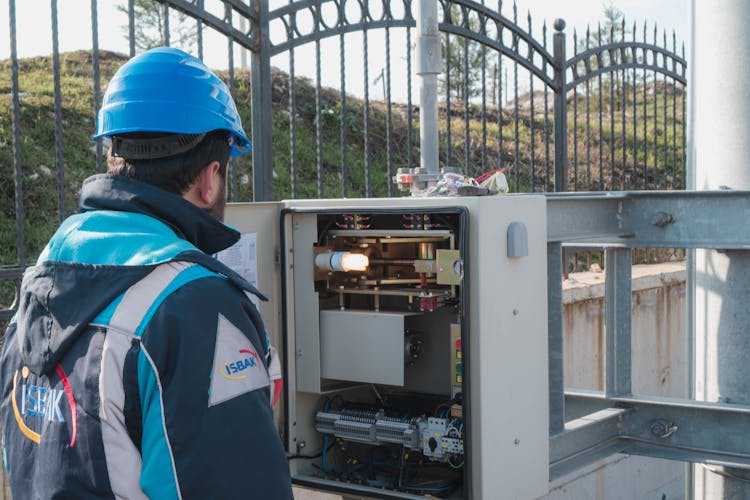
(559, 24)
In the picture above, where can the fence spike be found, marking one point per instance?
(515, 12)
(528, 18)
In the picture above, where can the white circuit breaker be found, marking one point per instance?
(414, 338)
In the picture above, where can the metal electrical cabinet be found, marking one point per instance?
(413, 334)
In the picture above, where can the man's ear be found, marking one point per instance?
(209, 183)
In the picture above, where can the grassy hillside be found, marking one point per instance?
(38, 156)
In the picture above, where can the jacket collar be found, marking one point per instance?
(120, 193)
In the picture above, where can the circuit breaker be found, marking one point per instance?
(413, 335)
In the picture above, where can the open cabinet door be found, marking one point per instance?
(256, 258)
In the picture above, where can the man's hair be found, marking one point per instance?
(174, 173)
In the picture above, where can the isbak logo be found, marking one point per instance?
(234, 370)
(42, 403)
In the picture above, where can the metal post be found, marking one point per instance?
(561, 108)
(718, 151)
(429, 66)
(555, 339)
(617, 311)
(260, 64)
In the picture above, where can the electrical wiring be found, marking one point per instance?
(323, 455)
(452, 465)
(441, 405)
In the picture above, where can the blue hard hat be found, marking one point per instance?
(168, 90)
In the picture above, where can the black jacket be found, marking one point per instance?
(136, 364)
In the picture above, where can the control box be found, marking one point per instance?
(414, 341)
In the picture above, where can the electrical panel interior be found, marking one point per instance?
(378, 404)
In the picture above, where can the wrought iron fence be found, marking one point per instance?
(610, 117)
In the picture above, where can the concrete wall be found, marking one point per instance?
(659, 341)
(659, 368)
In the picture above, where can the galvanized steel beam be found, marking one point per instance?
(656, 219)
(674, 429)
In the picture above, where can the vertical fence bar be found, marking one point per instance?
(634, 181)
(388, 113)
(292, 113)
(575, 120)
(484, 106)
(655, 184)
(623, 107)
(612, 90)
(555, 338)
(587, 65)
(342, 116)
(516, 134)
(601, 111)
(448, 131)
(318, 110)
(500, 101)
(260, 80)
(199, 32)
(684, 128)
(674, 112)
(97, 77)
(366, 131)
(165, 16)
(16, 124)
(59, 162)
(645, 114)
(131, 27)
(664, 115)
(530, 56)
(233, 174)
(409, 108)
(466, 90)
(561, 111)
(547, 161)
(617, 312)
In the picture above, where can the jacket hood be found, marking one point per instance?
(115, 192)
(124, 229)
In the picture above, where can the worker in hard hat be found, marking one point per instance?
(137, 366)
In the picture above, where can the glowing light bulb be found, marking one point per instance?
(342, 261)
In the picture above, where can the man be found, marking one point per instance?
(137, 366)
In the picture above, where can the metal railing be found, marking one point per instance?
(585, 426)
(544, 142)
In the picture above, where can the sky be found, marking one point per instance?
(34, 38)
